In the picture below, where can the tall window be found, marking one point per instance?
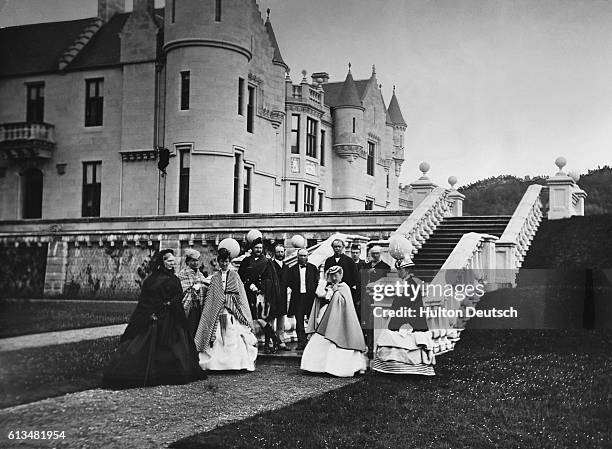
(33, 192)
(185, 163)
(185, 81)
(387, 179)
(295, 134)
(322, 150)
(369, 204)
(35, 107)
(250, 109)
(293, 197)
(246, 199)
(217, 10)
(92, 187)
(237, 159)
(241, 96)
(311, 137)
(173, 10)
(370, 160)
(309, 198)
(321, 199)
(94, 101)
(354, 124)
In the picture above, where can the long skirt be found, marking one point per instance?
(144, 360)
(234, 348)
(323, 356)
(404, 353)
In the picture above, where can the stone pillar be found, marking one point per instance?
(455, 198)
(560, 188)
(422, 186)
(488, 262)
(55, 272)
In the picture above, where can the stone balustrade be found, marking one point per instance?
(426, 217)
(514, 242)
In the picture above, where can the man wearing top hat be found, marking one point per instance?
(194, 288)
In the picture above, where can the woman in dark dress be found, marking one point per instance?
(156, 347)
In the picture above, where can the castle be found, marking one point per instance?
(88, 108)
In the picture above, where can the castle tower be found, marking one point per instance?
(397, 122)
(348, 145)
(208, 46)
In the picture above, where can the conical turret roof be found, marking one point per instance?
(277, 54)
(349, 95)
(394, 113)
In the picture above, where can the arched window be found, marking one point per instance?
(32, 193)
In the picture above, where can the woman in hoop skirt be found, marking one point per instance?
(156, 347)
(336, 346)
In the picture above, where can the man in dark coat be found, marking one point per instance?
(376, 267)
(303, 280)
(282, 273)
(259, 279)
(360, 265)
(349, 268)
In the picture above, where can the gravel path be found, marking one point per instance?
(60, 337)
(156, 417)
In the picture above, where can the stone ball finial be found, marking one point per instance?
(452, 180)
(304, 72)
(560, 162)
(424, 167)
(574, 175)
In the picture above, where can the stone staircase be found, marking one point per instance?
(441, 242)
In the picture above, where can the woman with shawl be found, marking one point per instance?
(224, 338)
(336, 346)
(156, 347)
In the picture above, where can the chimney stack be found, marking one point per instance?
(108, 8)
(324, 76)
(144, 6)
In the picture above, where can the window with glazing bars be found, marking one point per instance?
(92, 188)
(94, 102)
(311, 137)
(309, 198)
(35, 107)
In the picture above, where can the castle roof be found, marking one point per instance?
(278, 58)
(348, 94)
(38, 48)
(394, 113)
(333, 90)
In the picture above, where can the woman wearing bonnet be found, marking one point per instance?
(157, 346)
(406, 346)
(336, 345)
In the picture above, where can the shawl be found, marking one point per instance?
(233, 298)
(339, 324)
(189, 278)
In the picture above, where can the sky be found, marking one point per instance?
(487, 87)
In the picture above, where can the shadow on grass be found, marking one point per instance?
(37, 373)
(29, 317)
(500, 388)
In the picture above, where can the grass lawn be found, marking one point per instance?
(30, 317)
(499, 388)
(37, 373)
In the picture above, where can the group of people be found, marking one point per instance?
(185, 324)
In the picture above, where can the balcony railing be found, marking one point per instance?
(313, 96)
(26, 140)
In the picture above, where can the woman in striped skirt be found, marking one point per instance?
(406, 346)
